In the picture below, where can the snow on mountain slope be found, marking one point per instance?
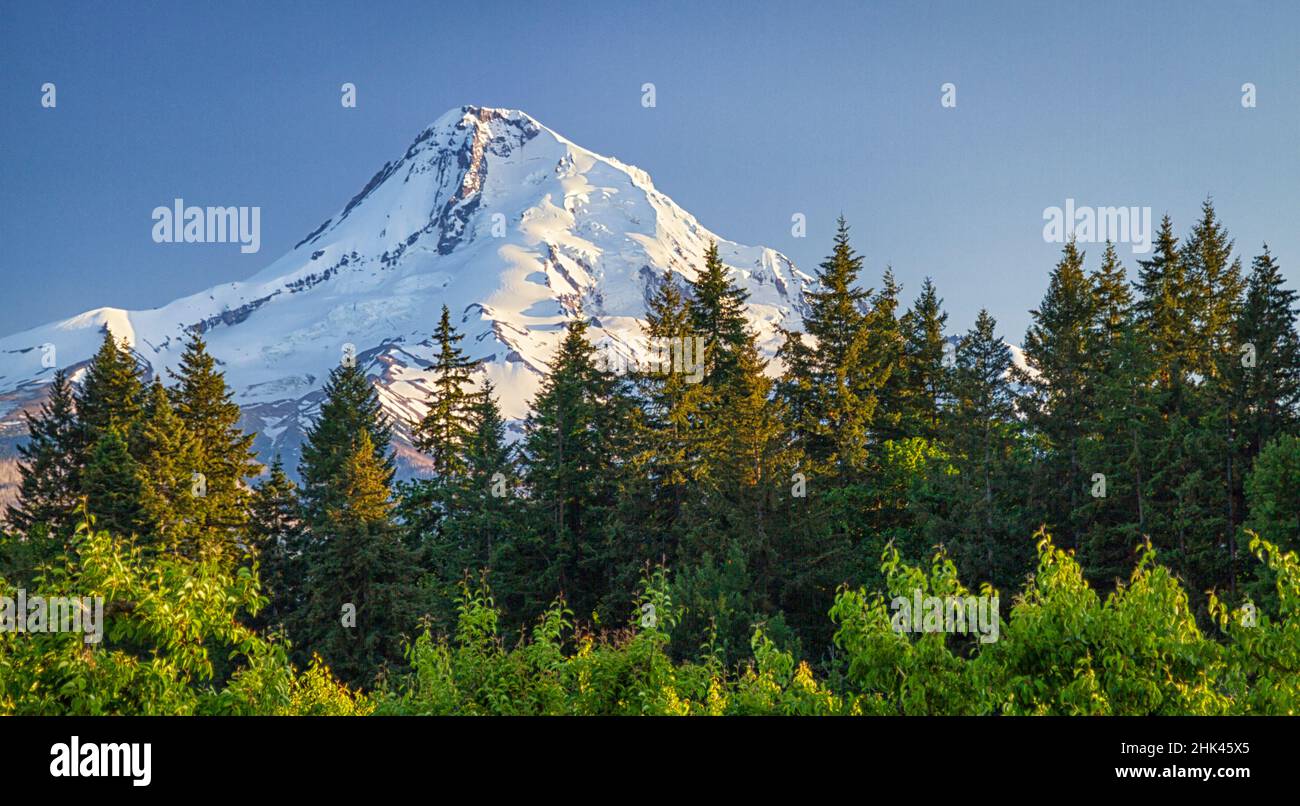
(510, 225)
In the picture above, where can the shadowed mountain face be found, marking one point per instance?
(510, 225)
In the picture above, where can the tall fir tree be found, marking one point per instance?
(484, 513)
(110, 395)
(840, 409)
(361, 596)
(717, 314)
(578, 438)
(884, 375)
(277, 533)
(1261, 379)
(985, 522)
(223, 454)
(445, 429)
(167, 459)
(1267, 357)
(923, 371)
(1114, 455)
(350, 405)
(1058, 405)
(670, 437)
(49, 474)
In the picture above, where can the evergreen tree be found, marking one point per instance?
(110, 394)
(1164, 309)
(167, 462)
(222, 453)
(734, 504)
(842, 403)
(360, 584)
(1167, 308)
(673, 400)
(923, 371)
(1114, 456)
(277, 533)
(445, 429)
(1216, 290)
(111, 485)
(717, 314)
(984, 519)
(1261, 380)
(49, 475)
(350, 406)
(482, 511)
(576, 444)
(796, 391)
(1058, 405)
(884, 357)
(1268, 357)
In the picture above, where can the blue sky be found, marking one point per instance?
(764, 109)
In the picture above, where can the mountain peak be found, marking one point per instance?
(482, 114)
(512, 226)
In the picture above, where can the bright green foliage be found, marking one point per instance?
(1261, 663)
(1061, 649)
(563, 671)
(892, 672)
(166, 618)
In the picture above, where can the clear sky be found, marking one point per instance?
(764, 109)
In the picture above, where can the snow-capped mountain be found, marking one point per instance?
(509, 224)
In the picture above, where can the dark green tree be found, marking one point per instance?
(111, 486)
(350, 405)
(49, 475)
(578, 438)
(171, 487)
(110, 395)
(360, 592)
(717, 314)
(223, 454)
(1059, 402)
(445, 429)
(923, 371)
(982, 517)
(277, 533)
